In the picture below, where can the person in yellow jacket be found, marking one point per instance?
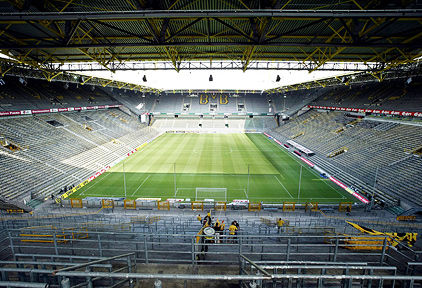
(233, 232)
(280, 224)
(217, 225)
(199, 218)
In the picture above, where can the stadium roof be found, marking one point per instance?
(111, 32)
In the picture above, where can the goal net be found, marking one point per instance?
(218, 194)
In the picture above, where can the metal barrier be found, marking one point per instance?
(163, 205)
(28, 276)
(130, 267)
(130, 204)
(260, 277)
(322, 274)
(254, 207)
(22, 284)
(136, 234)
(282, 258)
(181, 248)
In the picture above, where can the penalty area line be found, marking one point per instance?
(140, 185)
(306, 168)
(283, 186)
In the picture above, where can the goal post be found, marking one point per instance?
(218, 194)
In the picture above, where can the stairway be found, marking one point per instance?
(34, 203)
(395, 210)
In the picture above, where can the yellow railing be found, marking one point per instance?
(63, 236)
(297, 135)
(50, 216)
(337, 152)
(383, 223)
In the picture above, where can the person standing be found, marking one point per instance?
(233, 231)
(222, 228)
(280, 224)
(199, 218)
(217, 228)
(207, 219)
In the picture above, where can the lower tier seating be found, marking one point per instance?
(53, 156)
(371, 146)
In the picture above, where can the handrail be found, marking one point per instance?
(271, 236)
(92, 263)
(233, 277)
(329, 267)
(255, 265)
(51, 216)
(164, 276)
(49, 263)
(23, 284)
(369, 221)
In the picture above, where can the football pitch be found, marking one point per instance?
(246, 166)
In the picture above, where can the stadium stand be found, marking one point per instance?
(22, 94)
(309, 246)
(370, 145)
(295, 184)
(291, 102)
(218, 123)
(237, 102)
(56, 156)
(201, 103)
(137, 102)
(396, 94)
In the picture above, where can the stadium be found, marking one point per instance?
(226, 143)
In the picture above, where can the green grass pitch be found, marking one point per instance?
(214, 161)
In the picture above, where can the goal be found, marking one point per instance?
(218, 194)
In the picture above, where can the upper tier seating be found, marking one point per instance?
(174, 103)
(38, 94)
(235, 123)
(290, 102)
(386, 95)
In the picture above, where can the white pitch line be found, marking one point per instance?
(244, 190)
(141, 184)
(105, 176)
(311, 170)
(305, 198)
(104, 196)
(283, 186)
(185, 188)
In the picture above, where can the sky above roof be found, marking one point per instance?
(222, 79)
